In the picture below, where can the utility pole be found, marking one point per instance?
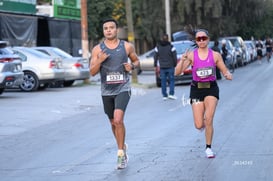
(131, 36)
(167, 17)
(84, 32)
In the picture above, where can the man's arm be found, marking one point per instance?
(132, 56)
(97, 57)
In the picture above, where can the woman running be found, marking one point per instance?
(204, 92)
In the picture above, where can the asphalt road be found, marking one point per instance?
(62, 134)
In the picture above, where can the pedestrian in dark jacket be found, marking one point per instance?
(165, 54)
(217, 49)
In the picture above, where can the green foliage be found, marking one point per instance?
(100, 10)
(246, 18)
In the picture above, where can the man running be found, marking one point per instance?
(110, 58)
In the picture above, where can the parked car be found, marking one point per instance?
(11, 74)
(181, 47)
(251, 48)
(231, 56)
(181, 35)
(76, 68)
(39, 69)
(240, 48)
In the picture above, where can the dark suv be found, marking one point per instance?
(11, 74)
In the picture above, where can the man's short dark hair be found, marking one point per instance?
(110, 20)
(165, 37)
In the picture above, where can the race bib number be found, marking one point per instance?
(114, 78)
(204, 72)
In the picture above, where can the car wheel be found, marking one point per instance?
(68, 83)
(1, 90)
(30, 82)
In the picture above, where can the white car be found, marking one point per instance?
(76, 68)
(251, 48)
(39, 69)
(146, 61)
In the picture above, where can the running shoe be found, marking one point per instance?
(125, 152)
(173, 97)
(122, 158)
(209, 153)
(165, 98)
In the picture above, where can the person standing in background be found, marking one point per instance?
(268, 44)
(259, 47)
(217, 49)
(165, 54)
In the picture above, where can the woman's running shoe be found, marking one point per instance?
(209, 153)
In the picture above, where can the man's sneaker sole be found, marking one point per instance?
(213, 156)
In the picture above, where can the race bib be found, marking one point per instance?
(204, 72)
(114, 78)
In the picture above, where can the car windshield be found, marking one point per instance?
(182, 47)
(248, 45)
(61, 53)
(5, 51)
(148, 54)
(235, 42)
(35, 52)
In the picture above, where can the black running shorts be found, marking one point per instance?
(199, 94)
(120, 101)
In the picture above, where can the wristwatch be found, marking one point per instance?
(133, 66)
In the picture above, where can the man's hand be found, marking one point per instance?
(128, 66)
(102, 56)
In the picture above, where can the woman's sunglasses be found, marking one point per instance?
(201, 38)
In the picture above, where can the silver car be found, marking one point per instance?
(251, 49)
(76, 68)
(240, 47)
(146, 61)
(39, 69)
(11, 74)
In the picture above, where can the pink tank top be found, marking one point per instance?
(203, 70)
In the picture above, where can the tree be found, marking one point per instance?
(221, 17)
(99, 11)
